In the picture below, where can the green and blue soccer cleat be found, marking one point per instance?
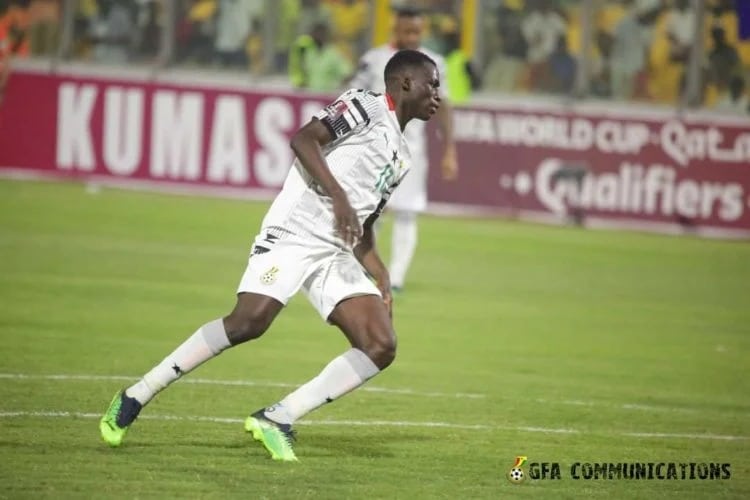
(277, 438)
(122, 411)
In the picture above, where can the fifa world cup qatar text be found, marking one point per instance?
(317, 237)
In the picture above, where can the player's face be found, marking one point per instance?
(425, 96)
(408, 32)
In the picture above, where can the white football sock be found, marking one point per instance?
(340, 376)
(208, 341)
(403, 245)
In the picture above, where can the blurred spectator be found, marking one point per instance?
(607, 17)
(285, 32)
(461, 75)
(44, 22)
(665, 69)
(542, 27)
(295, 18)
(506, 64)
(725, 14)
(233, 29)
(680, 30)
(315, 63)
(349, 21)
(14, 27)
(736, 100)
(438, 25)
(85, 11)
(111, 31)
(723, 61)
(149, 28)
(5, 45)
(600, 65)
(196, 31)
(630, 44)
(560, 71)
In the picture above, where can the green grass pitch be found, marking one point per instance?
(560, 344)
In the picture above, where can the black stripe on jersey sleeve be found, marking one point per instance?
(361, 110)
(328, 125)
(338, 127)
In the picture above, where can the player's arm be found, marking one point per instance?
(367, 254)
(445, 122)
(445, 125)
(307, 144)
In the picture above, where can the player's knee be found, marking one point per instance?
(381, 347)
(246, 324)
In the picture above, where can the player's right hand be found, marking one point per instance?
(346, 221)
(387, 298)
(449, 164)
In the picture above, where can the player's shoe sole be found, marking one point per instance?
(273, 436)
(122, 411)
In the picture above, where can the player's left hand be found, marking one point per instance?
(450, 164)
(347, 223)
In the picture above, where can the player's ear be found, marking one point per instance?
(406, 83)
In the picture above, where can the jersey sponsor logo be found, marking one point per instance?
(385, 179)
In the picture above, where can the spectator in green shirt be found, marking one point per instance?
(315, 63)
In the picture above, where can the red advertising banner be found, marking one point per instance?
(690, 175)
(85, 127)
(606, 168)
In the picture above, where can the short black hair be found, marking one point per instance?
(405, 59)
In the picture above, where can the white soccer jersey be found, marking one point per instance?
(368, 157)
(412, 194)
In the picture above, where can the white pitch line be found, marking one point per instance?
(194, 418)
(382, 423)
(719, 437)
(616, 406)
(252, 383)
(383, 390)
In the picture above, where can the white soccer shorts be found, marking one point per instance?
(326, 274)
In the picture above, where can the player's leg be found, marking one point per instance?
(251, 317)
(408, 200)
(366, 323)
(346, 298)
(403, 246)
(275, 272)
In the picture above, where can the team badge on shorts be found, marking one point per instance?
(269, 276)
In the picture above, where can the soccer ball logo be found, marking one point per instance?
(516, 474)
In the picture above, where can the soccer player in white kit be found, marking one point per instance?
(318, 237)
(411, 197)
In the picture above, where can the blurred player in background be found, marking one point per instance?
(411, 197)
(317, 236)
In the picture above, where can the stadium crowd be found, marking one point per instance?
(609, 49)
